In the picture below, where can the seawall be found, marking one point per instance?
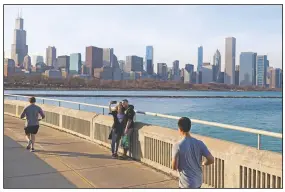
(236, 165)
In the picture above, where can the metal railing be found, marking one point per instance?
(220, 125)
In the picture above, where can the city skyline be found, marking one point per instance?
(173, 45)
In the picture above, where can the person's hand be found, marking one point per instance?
(126, 130)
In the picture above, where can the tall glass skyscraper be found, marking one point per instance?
(149, 60)
(189, 68)
(261, 70)
(75, 63)
(247, 68)
(217, 66)
(19, 48)
(200, 58)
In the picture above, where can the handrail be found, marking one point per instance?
(220, 125)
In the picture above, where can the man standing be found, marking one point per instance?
(187, 157)
(129, 115)
(31, 113)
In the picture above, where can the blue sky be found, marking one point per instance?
(175, 31)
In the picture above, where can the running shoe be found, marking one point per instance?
(32, 150)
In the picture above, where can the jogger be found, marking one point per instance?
(32, 113)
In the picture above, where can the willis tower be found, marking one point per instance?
(19, 47)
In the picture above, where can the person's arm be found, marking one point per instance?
(42, 113)
(175, 153)
(206, 153)
(130, 117)
(23, 114)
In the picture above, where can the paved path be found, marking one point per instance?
(66, 161)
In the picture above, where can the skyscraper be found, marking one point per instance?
(115, 62)
(188, 73)
(230, 61)
(175, 67)
(176, 71)
(27, 63)
(134, 63)
(75, 63)
(19, 48)
(122, 64)
(37, 59)
(278, 77)
(200, 58)
(237, 68)
(272, 77)
(9, 67)
(207, 73)
(187, 77)
(63, 63)
(50, 56)
(108, 57)
(162, 71)
(261, 70)
(247, 68)
(149, 60)
(94, 58)
(189, 68)
(216, 66)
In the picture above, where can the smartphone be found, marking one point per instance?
(113, 102)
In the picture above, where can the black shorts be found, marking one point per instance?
(31, 129)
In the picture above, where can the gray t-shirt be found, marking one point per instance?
(189, 152)
(31, 113)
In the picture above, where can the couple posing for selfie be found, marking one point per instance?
(122, 127)
(186, 154)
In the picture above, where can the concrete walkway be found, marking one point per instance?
(65, 161)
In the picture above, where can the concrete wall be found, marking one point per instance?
(236, 165)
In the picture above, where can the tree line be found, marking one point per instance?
(42, 82)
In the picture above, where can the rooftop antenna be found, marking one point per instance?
(18, 13)
(21, 13)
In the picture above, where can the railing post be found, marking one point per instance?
(79, 107)
(103, 111)
(258, 141)
(43, 101)
(59, 103)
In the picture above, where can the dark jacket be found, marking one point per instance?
(129, 115)
(117, 126)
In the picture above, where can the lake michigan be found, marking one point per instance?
(257, 113)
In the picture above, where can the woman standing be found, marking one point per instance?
(117, 128)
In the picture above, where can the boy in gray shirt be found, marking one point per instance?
(31, 113)
(187, 157)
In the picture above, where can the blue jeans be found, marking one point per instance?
(115, 142)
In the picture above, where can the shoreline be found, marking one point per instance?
(92, 89)
(154, 96)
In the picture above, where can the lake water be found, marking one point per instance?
(262, 114)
